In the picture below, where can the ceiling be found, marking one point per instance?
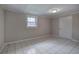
(41, 9)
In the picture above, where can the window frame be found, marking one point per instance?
(36, 22)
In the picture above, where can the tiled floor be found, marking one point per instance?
(44, 46)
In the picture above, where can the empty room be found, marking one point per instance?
(39, 29)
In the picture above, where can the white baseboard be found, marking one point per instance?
(2, 47)
(43, 36)
(75, 40)
(66, 38)
(5, 44)
(27, 39)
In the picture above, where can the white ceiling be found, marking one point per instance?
(41, 9)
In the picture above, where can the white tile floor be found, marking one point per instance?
(43, 46)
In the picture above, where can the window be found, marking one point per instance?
(31, 22)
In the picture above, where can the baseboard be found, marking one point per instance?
(27, 39)
(74, 40)
(5, 44)
(66, 38)
(2, 47)
(43, 36)
(36, 38)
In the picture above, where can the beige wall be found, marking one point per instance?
(42, 29)
(75, 27)
(62, 27)
(65, 27)
(72, 27)
(55, 26)
(15, 29)
(1, 27)
(14, 26)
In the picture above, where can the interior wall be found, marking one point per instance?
(14, 26)
(75, 27)
(1, 27)
(55, 27)
(15, 29)
(43, 28)
(62, 27)
(65, 27)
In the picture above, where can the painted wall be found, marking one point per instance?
(15, 29)
(62, 27)
(65, 27)
(55, 27)
(1, 27)
(43, 28)
(14, 26)
(75, 27)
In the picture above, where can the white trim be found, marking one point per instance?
(2, 47)
(43, 36)
(68, 38)
(74, 40)
(5, 44)
(27, 39)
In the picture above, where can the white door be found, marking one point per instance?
(65, 27)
